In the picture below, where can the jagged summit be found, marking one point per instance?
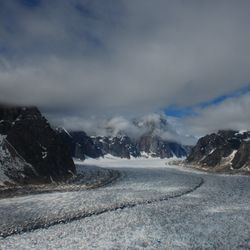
(146, 136)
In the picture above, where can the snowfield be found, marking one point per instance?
(151, 206)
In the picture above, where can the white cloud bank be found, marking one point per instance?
(121, 57)
(233, 113)
(135, 127)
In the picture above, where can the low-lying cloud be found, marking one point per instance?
(157, 123)
(121, 57)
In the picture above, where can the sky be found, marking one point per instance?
(79, 59)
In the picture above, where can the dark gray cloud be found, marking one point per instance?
(79, 58)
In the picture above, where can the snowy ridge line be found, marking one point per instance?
(29, 227)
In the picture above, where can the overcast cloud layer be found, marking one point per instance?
(122, 57)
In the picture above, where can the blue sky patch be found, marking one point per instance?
(176, 111)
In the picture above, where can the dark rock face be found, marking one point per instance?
(80, 144)
(13, 168)
(157, 147)
(120, 146)
(125, 147)
(74, 147)
(8, 115)
(242, 157)
(147, 143)
(152, 141)
(85, 144)
(36, 142)
(214, 149)
(146, 140)
(179, 150)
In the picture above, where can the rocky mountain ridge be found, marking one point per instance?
(150, 141)
(31, 151)
(225, 150)
(123, 146)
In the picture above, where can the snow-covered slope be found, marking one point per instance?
(13, 168)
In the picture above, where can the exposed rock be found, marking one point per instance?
(30, 134)
(74, 147)
(145, 145)
(13, 168)
(157, 147)
(80, 144)
(154, 141)
(242, 157)
(226, 149)
(148, 142)
(120, 146)
(85, 145)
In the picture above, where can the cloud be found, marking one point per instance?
(101, 125)
(233, 113)
(134, 127)
(123, 57)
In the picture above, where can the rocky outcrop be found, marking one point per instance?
(81, 145)
(157, 147)
(154, 142)
(149, 141)
(31, 136)
(146, 145)
(13, 168)
(242, 157)
(119, 146)
(85, 145)
(226, 149)
(74, 146)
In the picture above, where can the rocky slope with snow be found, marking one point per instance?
(119, 146)
(155, 146)
(80, 144)
(13, 168)
(123, 146)
(225, 150)
(30, 150)
(150, 139)
(159, 139)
